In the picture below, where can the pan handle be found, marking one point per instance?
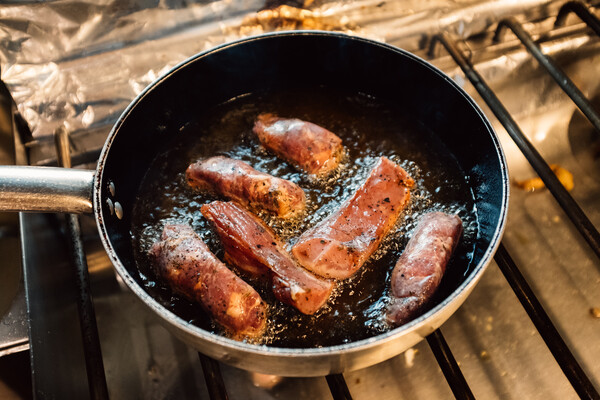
(46, 189)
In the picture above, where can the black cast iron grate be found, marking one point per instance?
(457, 382)
(564, 357)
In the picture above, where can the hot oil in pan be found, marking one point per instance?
(369, 129)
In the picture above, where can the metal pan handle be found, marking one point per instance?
(46, 189)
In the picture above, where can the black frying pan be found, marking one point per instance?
(276, 63)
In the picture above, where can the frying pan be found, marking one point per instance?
(266, 63)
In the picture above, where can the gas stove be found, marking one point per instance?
(494, 349)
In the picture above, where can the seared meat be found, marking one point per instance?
(304, 144)
(190, 269)
(339, 245)
(240, 182)
(253, 247)
(420, 268)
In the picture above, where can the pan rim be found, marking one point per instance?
(417, 325)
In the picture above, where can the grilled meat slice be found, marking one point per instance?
(420, 268)
(184, 261)
(339, 245)
(251, 245)
(308, 146)
(238, 181)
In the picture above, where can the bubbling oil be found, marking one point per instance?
(369, 129)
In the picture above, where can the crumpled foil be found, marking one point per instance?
(81, 62)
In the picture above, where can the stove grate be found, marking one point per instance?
(568, 363)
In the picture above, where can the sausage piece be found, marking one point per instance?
(420, 268)
(238, 181)
(254, 247)
(184, 261)
(308, 146)
(339, 245)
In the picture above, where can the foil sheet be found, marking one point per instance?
(81, 62)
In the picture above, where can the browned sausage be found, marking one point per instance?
(190, 269)
(253, 247)
(339, 245)
(238, 181)
(304, 144)
(420, 268)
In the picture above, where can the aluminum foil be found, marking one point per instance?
(80, 62)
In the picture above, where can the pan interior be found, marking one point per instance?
(369, 129)
(381, 101)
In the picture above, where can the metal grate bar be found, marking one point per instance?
(582, 12)
(554, 70)
(213, 378)
(87, 316)
(338, 387)
(449, 366)
(567, 362)
(562, 196)
(87, 157)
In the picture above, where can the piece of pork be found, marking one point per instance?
(421, 266)
(184, 261)
(308, 146)
(339, 245)
(251, 245)
(238, 181)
